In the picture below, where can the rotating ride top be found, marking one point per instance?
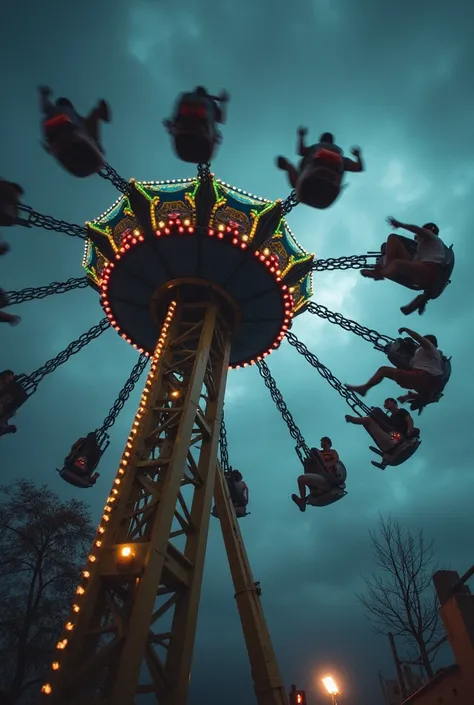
(200, 277)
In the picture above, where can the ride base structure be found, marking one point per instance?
(193, 274)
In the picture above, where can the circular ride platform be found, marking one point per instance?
(203, 231)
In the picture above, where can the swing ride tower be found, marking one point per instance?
(202, 278)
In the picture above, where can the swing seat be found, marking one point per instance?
(72, 477)
(12, 396)
(193, 129)
(319, 183)
(10, 195)
(399, 453)
(72, 146)
(435, 394)
(400, 353)
(323, 499)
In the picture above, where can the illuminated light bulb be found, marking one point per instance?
(117, 481)
(61, 644)
(161, 224)
(235, 241)
(114, 491)
(266, 251)
(126, 552)
(220, 227)
(55, 666)
(46, 689)
(80, 590)
(175, 393)
(181, 229)
(121, 471)
(105, 517)
(69, 626)
(220, 235)
(101, 530)
(92, 558)
(187, 222)
(98, 544)
(86, 574)
(167, 231)
(158, 233)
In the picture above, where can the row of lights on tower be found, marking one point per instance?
(126, 553)
(165, 228)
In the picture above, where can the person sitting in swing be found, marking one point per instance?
(63, 106)
(320, 151)
(319, 475)
(421, 270)
(426, 368)
(400, 420)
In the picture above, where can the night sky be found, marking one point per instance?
(394, 78)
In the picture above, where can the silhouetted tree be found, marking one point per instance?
(43, 541)
(400, 597)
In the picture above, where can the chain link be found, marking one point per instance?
(224, 451)
(289, 203)
(123, 397)
(109, 174)
(349, 262)
(41, 292)
(46, 222)
(30, 382)
(354, 402)
(301, 446)
(204, 171)
(379, 341)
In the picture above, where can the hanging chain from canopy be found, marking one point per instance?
(224, 451)
(30, 382)
(379, 341)
(109, 174)
(301, 446)
(349, 262)
(41, 292)
(352, 400)
(122, 398)
(46, 222)
(289, 203)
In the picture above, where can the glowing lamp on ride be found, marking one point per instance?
(300, 697)
(125, 557)
(185, 237)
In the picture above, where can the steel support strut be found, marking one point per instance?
(132, 628)
(267, 681)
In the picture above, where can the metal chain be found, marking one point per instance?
(204, 171)
(41, 292)
(289, 203)
(30, 382)
(109, 174)
(123, 397)
(354, 402)
(349, 262)
(46, 222)
(295, 432)
(224, 451)
(379, 341)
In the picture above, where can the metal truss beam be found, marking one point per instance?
(268, 684)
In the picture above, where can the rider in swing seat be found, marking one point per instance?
(193, 125)
(62, 115)
(327, 155)
(400, 427)
(426, 369)
(88, 448)
(319, 475)
(421, 269)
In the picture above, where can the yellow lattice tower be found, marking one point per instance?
(139, 592)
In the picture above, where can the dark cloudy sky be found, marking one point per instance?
(395, 78)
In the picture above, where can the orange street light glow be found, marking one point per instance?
(330, 685)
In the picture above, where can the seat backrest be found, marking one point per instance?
(340, 472)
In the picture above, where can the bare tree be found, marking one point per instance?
(400, 597)
(43, 541)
